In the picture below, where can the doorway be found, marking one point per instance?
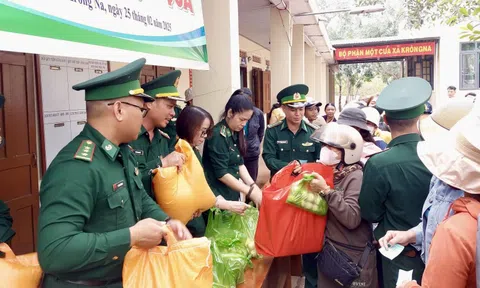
(18, 157)
(261, 89)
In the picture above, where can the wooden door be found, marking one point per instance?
(18, 160)
(266, 95)
(148, 73)
(257, 88)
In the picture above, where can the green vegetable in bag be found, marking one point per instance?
(301, 197)
(248, 223)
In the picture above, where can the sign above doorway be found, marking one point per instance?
(385, 51)
(165, 32)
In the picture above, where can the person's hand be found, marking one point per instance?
(408, 284)
(237, 207)
(181, 232)
(393, 237)
(196, 214)
(147, 233)
(298, 168)
(318, 184)
(256, 196)
(173, 159)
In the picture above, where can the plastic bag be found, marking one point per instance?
(181, 194)
(180, 264)
(249, 225)
(22, 271)
(301, 197)
(230, 254)
(283, 229)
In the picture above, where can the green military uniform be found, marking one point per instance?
(171, 128)
(148, 154)
(281, 146)
(395, 182)
(91, 194)
(221, 156)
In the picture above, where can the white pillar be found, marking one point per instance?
(213, 88)
(321, 76)
(298, 55)
(310, 70)
(280, 50)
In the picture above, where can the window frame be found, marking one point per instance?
(476, 53)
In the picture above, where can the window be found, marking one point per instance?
(470, 65)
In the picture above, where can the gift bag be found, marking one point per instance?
(283, 229)
(181, 194)
(185, 263)
(301, 196)
(229, 237)
(19, 271)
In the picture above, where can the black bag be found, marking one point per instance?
(338, 266)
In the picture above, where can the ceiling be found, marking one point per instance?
(254, 23)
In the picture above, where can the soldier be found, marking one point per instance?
(153, 146)
(94, 207)
(6, 221)
(395, 182)
(289, 140)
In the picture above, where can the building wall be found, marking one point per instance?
(252, 48)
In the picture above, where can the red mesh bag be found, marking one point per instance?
(283, 229)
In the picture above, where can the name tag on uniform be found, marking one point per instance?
(118, 185)
(138, 152)
(282, 141)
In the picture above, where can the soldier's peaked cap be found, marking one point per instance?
(120, 83)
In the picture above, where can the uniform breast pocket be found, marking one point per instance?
(235, 159)
(307, 153)
(284, 152)
(118, 202)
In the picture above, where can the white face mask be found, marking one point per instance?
(371, 129)
(328, 157)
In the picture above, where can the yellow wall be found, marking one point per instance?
(253, 48)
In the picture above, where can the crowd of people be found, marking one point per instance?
(404, 174)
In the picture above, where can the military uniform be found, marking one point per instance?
(148, 154)
(91, 194)
(171, 128)
(281, 146)
(395, 182)
(221, 156)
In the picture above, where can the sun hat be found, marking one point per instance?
(445, 117)
(354, 117)
(188, 94)
(456, 160)
(372, 115)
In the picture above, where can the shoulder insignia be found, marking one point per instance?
(223, 131)
(164, 134)
(85, 151)
(380, 152)
(274, 124)
(313, 126)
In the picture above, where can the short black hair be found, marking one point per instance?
(243, 90)
(330, 104)
(402, 125)
(190, 121)
(452, 88)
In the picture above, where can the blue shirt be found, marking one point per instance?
(435, 209)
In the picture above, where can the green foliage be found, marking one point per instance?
(449, 12)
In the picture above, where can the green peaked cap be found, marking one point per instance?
(116, 84)
(294, 96)
(165, 86)
(405, 98)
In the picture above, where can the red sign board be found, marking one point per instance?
(385, 51)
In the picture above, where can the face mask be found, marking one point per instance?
(371, 129)
(328, 157)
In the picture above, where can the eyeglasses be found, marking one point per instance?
(143, 110)
(204, 134)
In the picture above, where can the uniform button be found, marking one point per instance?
(115, 258)
(235, 145)
(281, 149)
(307, 150)
(238, 156)
(293, 150)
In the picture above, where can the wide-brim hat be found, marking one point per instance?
(438, 124)
(456, 159)
(354, 117)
